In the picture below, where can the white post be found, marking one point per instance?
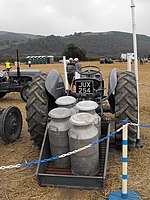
(124, 193)
(135, 60)
(65, 73)
(128, 62)
(124, 161)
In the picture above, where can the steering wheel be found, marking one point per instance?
(89, 70)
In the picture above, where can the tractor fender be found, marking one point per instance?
(112, 82)
(54, 84)
(24, 73)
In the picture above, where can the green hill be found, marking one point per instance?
(108, 44)
(8, 39)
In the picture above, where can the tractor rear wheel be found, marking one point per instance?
(39, 103)
(10, 124)
(126, 105)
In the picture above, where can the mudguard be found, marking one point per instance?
(24, 73)
(112, 82)
(2, 74)
(54, 84)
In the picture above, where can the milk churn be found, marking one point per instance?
(90, 106)
(58, 135)
(82, 133)
(67, 102)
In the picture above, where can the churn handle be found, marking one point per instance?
(54, 127)
(98, 121)
(74, 133)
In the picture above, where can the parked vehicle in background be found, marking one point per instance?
(106, 61)
(123, 57)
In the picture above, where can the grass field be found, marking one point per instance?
(21, 183)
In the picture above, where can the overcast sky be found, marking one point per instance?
(64, 17)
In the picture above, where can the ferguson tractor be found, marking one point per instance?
(121, 98)
(16, 80)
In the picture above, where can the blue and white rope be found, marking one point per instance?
(61, 156)
(141, 125)
(73, 152)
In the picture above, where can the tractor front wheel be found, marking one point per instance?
(10, 124)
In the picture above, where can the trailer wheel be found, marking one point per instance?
(10, 124)
(126, 105)
(39, 103)
(2, 94)
(24, 92)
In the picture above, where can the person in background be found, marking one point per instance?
(70, 71)
(29, 63)
(77, 68)
(77, 64)
(141, 61)
(7, 65)
(7, 68)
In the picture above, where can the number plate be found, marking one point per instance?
(84, 86)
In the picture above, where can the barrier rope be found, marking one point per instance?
(72, 152)
(61, 156)
(141, 125)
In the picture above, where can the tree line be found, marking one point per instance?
(86, 45)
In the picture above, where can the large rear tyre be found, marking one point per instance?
(126, 105)
(10, 124)
(39, 103)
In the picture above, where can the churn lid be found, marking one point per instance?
(86, 105)
(59, 113)
(81, 119)
(65, 100)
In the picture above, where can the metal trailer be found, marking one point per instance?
(49, 175)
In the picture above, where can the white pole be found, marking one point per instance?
(135, 60)
(128, 62)
(65, 73)
(124, 161)
(124, 193)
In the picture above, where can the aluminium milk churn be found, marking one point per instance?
(67, 102)
(90, 106)
(82, 133)
(58, 135)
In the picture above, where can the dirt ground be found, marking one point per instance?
(16, 184)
